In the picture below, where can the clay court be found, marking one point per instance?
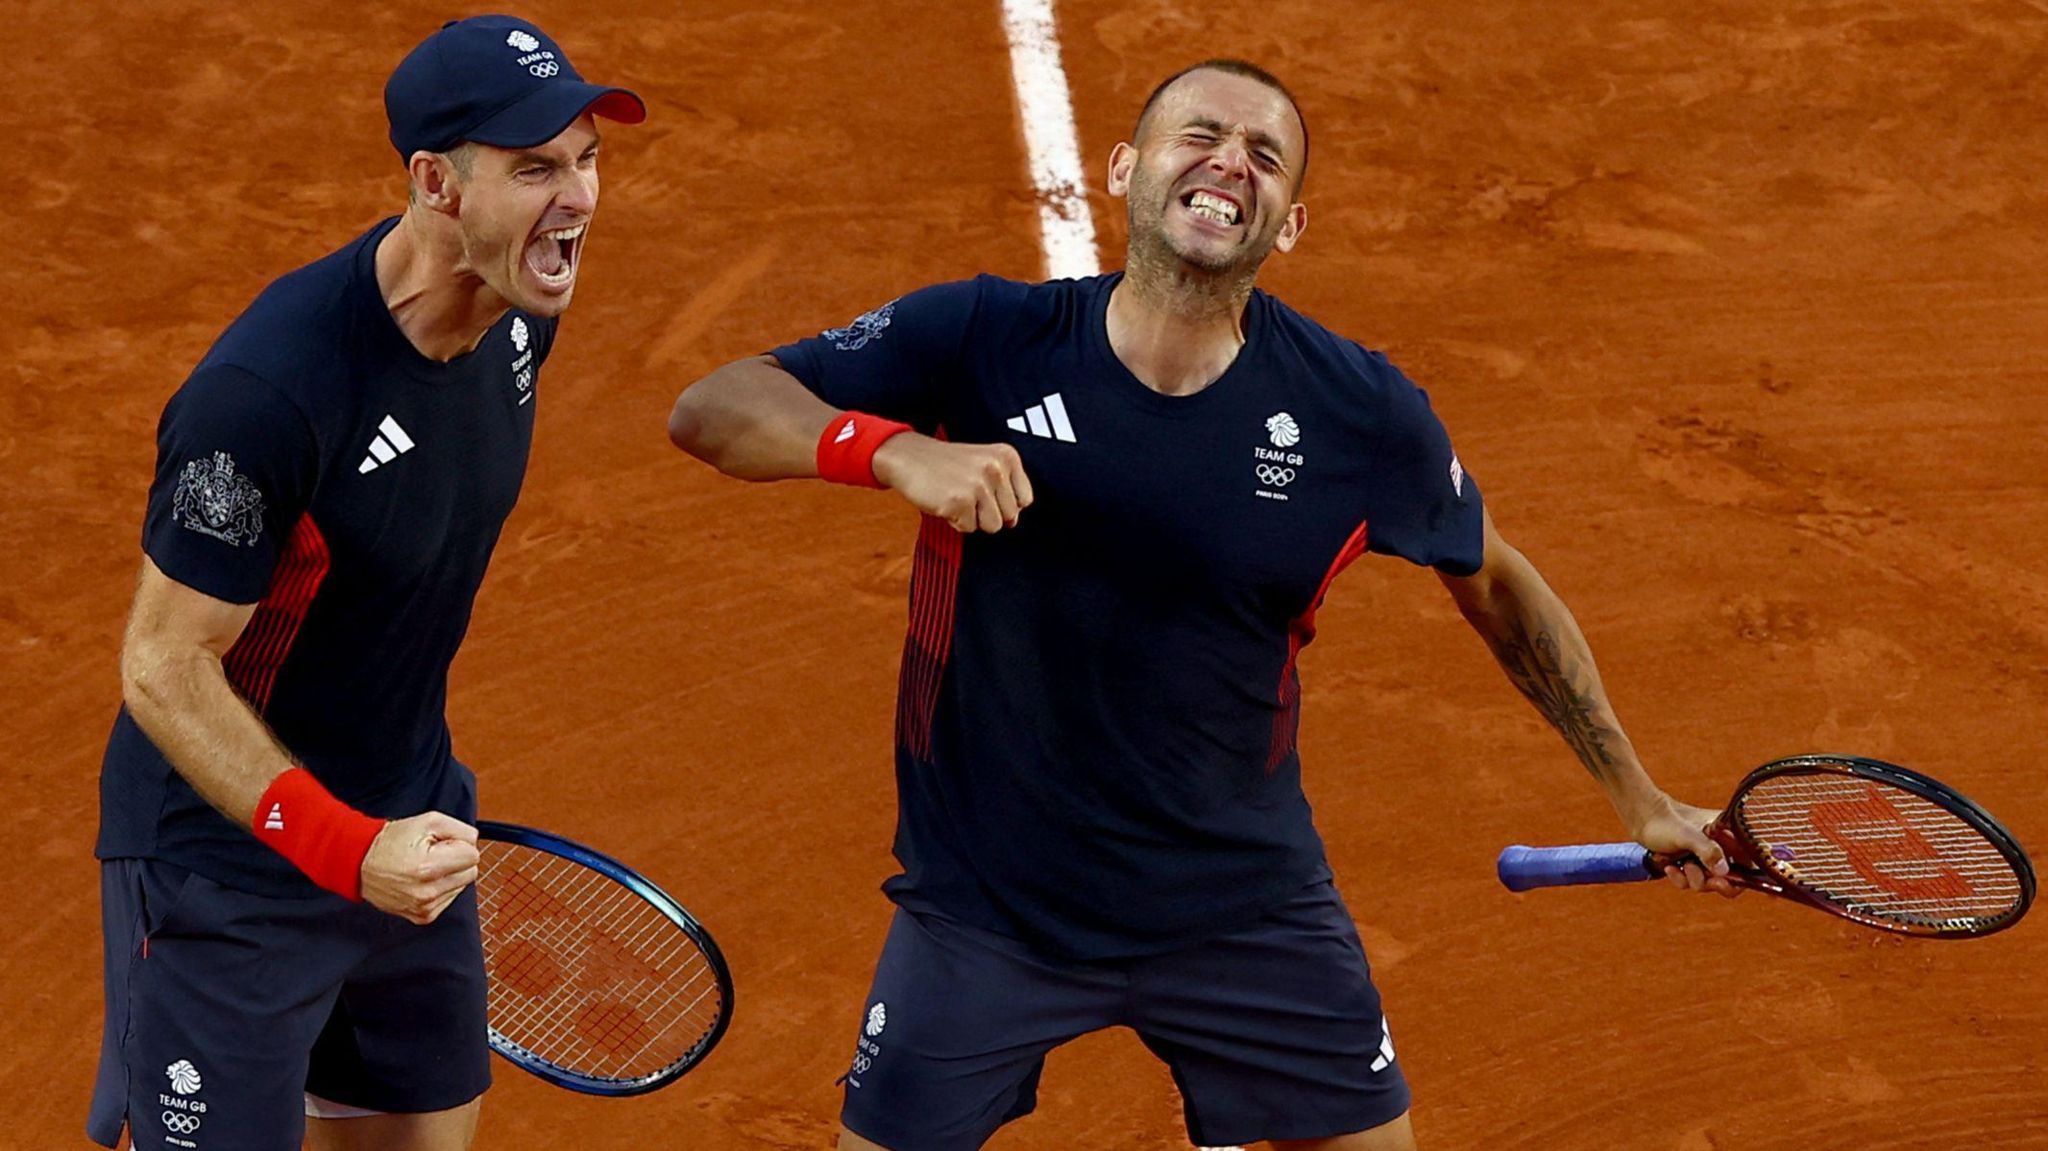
(1736, 309)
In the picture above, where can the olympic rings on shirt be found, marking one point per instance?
(1273, 476)
(181, 1123)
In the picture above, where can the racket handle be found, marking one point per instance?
(1523, 868)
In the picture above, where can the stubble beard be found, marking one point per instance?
(507, 258)
(1190, 282)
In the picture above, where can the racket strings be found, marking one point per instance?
(607, 1019)
(585, 974)
(1879, 851)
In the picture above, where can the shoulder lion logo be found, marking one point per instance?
(856, 335)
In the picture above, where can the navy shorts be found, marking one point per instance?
(225, 1009)
(1271, 1032)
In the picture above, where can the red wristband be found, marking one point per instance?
(846, 452)
(322, 836)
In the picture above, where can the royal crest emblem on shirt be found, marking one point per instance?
(856, 335)
(214, 501)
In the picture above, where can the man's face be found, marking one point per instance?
(1212, 175)
(525, 215)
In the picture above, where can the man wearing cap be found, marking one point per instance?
(287, 841)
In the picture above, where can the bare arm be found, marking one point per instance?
(178, 693)
(1540, 647)
(754, 421)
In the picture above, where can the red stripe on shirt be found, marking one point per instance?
(252, 663)
(934, 581)
(1300, 630)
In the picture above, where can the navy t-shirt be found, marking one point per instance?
(1097, 710)
(317, 465)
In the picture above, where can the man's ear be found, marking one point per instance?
(1122, 159)
(434, 184)
(1290, 232)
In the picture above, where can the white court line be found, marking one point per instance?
(1066, 228)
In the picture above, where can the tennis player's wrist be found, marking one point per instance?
(1640, 804)
(846, 448)
(323, 837)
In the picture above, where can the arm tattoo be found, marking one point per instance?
(1536, 665)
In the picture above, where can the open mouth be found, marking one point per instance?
(551, 256)
(1213, 207)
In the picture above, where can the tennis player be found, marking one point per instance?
(289, 925)
(1138, 488)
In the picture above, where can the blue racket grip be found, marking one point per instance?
(1523, 868)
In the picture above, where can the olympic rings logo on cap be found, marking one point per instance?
(1277, 477)
(544, 69)
(181, 1123)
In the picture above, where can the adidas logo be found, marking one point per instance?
(275, 820)
(391, 442)
(1047, 421)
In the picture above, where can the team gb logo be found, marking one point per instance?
(183, 1076)
(522, 41)
(518, 333)
(878, 1017)
(1285, 432)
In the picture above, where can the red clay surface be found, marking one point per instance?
(1737, 313)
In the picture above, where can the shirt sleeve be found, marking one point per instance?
(1428, 511)
(235, 467)
(896, 361)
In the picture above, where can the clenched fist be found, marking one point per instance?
(974, 487)
(416, 867)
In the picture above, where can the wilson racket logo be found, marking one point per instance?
(1887, 851)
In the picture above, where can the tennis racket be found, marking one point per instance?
(599, 981)
(1869, 841)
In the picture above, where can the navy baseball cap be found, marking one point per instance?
(493, 80)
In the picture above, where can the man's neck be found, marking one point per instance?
(443, 308)
(1176, 329)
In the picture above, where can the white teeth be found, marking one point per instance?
(558, 236)
(1214, 207)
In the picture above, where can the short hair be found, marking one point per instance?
(1234, 67)
(462, 157)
